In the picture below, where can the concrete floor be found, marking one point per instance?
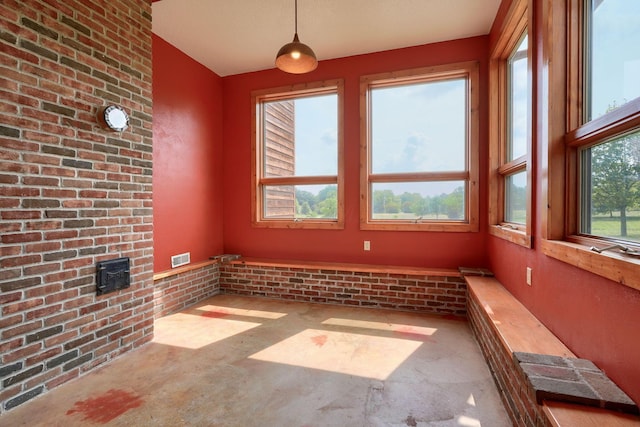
(237, 361)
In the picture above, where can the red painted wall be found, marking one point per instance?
(596, 318)
(387, 247)
(187, 153)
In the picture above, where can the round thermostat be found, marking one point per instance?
(116, 118)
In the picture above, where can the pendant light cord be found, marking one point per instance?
(296, 57)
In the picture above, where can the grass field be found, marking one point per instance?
(610, 226)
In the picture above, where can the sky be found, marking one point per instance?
(316, 135)
(419, 127)
(520, 101)
(616, 58)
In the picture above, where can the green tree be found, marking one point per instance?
(413, 203)
(434, 205)
(384, 201)
(328, 192)
(327, 199)
(304, 209)
(328, 208)
(305, 201)
(615, 177)
(453, 203)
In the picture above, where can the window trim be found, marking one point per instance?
(335, 86)
(563, 133)
(515, 26)
(468, 70)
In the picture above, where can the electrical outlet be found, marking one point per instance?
(529, 276)
(367, 245)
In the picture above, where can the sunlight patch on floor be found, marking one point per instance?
(345, 353)
(189, 331)
(471, 401)
(465, 421)
(381, 326)
(241, 311)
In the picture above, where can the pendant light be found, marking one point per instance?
(296, 57)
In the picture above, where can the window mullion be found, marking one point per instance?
(516, 165)
(419, 177)
(299, 180)
(615, 122)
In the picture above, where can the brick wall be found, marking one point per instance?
(519, 403)
(72, 193)
(442, 294)
(177, 291)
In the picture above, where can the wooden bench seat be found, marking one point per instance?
(565, 414)
(370, 268)
(502, 326)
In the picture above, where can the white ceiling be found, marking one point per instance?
(239, 36)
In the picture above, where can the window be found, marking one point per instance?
(297, 151)
(601, 142)
(510, 138)
(611, 55)
(609, 168)
(610, 189)
(419, 149)
(517, 141)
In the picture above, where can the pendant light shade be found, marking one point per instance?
(296, 57)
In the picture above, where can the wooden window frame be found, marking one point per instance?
(469, 71)
(564, 134)
(258, 181)
(516, 24)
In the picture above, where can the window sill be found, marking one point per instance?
(611, 265)
(517, 237)
(302, 224)
(448, 227)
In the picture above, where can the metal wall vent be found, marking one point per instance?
(180, 259)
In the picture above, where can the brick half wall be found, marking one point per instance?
(173, 292)
(410, 289)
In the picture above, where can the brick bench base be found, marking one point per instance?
(440, 291)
